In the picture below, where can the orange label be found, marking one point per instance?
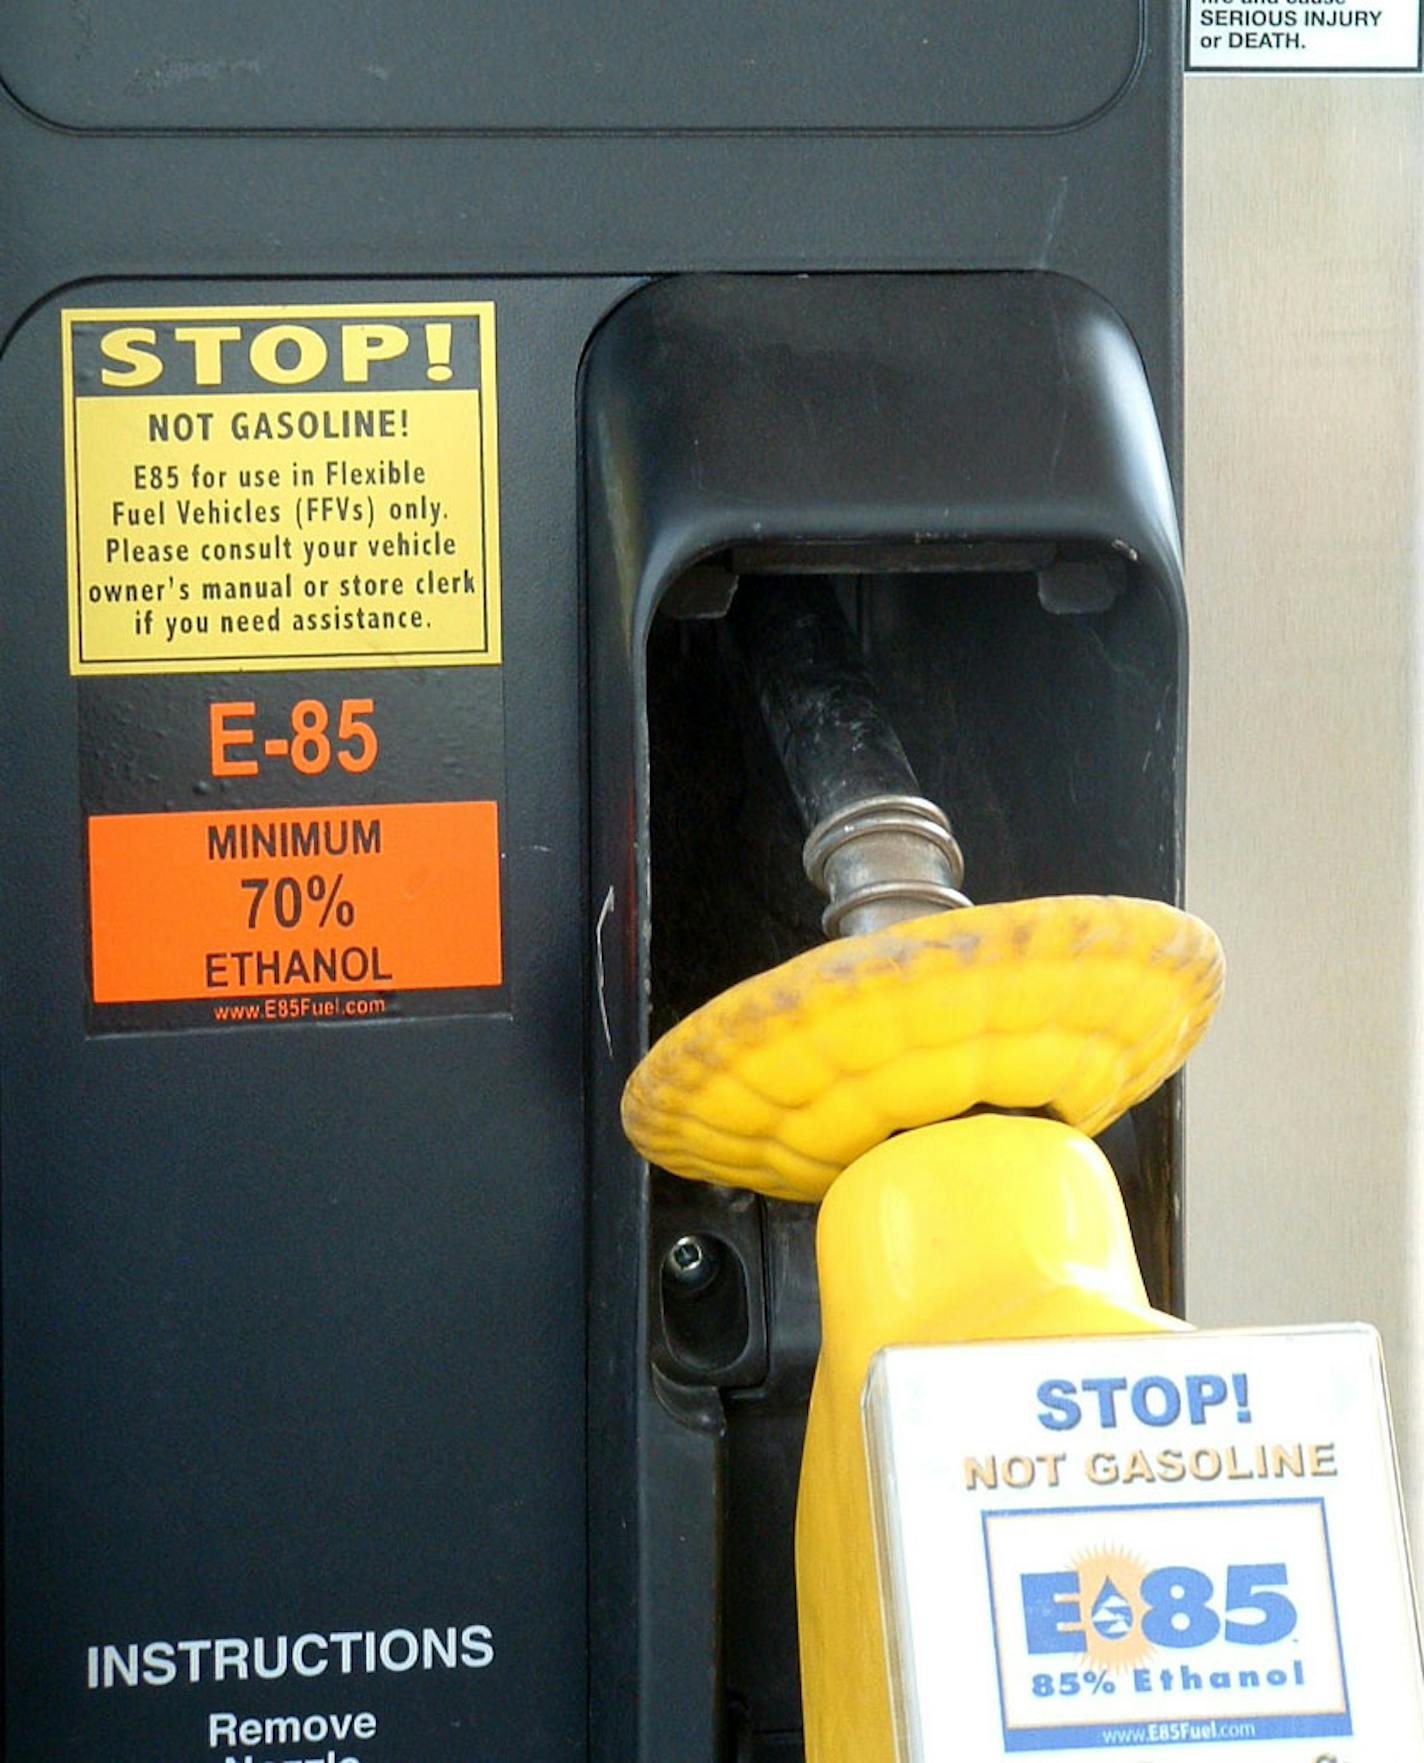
(395, 897)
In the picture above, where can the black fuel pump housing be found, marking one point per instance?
(974, 460)
(355, 1372)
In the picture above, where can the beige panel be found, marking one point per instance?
(1305, 1158)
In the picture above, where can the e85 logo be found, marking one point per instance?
(1114, 1611)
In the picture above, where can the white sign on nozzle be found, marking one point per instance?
(1382, 38)
(1152, 1546)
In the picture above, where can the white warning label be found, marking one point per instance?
(1383, 38)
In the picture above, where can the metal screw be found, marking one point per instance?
(690, 1261)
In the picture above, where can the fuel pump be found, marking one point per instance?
(482, 484)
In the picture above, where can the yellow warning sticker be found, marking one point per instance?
(281, 487)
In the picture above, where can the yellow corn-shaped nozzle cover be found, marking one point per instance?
(986, 1228)
(1078, 1006)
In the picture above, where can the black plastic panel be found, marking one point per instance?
(294, 1314)
(606, 64)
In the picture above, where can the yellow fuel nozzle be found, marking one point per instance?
(994, 1227)
(840, 1075)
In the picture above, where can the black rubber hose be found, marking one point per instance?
(820, 704)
